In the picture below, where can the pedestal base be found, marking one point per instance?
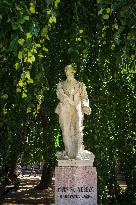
(74, 162)
(75, 185)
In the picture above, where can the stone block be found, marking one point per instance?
(75, 185)
(74, 162)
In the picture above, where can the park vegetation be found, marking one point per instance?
(38, 38)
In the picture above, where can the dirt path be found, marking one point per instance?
(26, 194)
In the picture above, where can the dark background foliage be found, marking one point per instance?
(37, 40)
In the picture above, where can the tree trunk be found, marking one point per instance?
(46, 178)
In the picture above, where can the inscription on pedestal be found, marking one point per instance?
(75, 186)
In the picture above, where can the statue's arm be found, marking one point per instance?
(61, 95)
(60, 92)
(85, 100)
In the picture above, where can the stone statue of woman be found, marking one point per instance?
(73, 104)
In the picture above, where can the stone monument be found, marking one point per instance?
(75, 176)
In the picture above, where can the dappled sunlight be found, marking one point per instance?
(28, 195)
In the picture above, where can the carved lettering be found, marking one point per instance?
(70, 196)
(85, 189)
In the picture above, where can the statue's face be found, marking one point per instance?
(69, 71)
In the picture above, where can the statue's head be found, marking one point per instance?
(69, 70)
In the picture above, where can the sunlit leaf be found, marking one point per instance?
(18, 89)
(38, 45)
(21, 83)
(24, 95)
(28, 35)
(29, 54)
(32, 8)
(52, 19)
(40, 55)
(33, 58)
(20, 55)
(48, 12)
(28, 110)
(17, 65)
(57, 3)
(81, 31)
(21, 41)
(45, 49)
(108, 10)
(27, 74)
(30, 80)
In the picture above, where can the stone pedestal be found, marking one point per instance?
(76, 183)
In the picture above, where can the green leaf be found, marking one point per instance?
(15, 26)
(34, 50)
(44, 31)
(26, 18)
(5, 96)
(133, 57)
(13, 44)
(29, 54)
(28, 109)
(0, 18)
(21, 29)
(48, 12)
(20, 55)
(100, 11)
(57, 3)
(99, 1)
(52, 19)
(17, 65)
(18, 8)
(50, 1)
(24, 95)
(30, 80)
(108, 10)
(32, 8)
(105, 16)
(27, 74)
(45, 49)
(28, 35)
(21, 83)
(18, 90)
(33, 58)
(40, 55)
(38, 45)
(81, 31)
(21, 41)
(115, 26)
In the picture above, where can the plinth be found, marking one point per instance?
(75, 183)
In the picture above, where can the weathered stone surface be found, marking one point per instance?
(73, 104)
(74, 162)
(75, 185)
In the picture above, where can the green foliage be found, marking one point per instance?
(37, 40)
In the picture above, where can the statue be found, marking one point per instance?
(73, 105)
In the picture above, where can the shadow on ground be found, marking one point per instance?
(28, 195)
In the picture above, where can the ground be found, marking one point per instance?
(26, 195)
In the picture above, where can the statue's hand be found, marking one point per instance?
(87, 110)
(68, 100)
